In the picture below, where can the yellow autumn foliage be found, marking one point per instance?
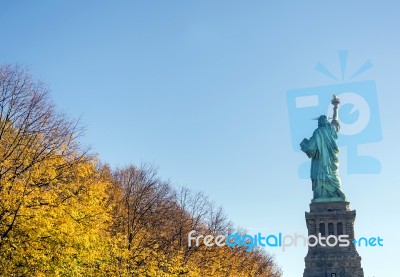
(64, 214)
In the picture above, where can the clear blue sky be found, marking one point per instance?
(199, 89)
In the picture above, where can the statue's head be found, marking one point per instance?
(322, 120)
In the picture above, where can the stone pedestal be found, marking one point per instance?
(325, 219)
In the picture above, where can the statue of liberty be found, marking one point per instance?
(323, 151)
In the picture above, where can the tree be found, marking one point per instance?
(32, 135)
(155, 221)
(52, 198)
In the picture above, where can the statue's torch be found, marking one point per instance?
(335, 102)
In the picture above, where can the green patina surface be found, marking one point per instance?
(323, 151)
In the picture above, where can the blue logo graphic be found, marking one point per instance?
(358, 115)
